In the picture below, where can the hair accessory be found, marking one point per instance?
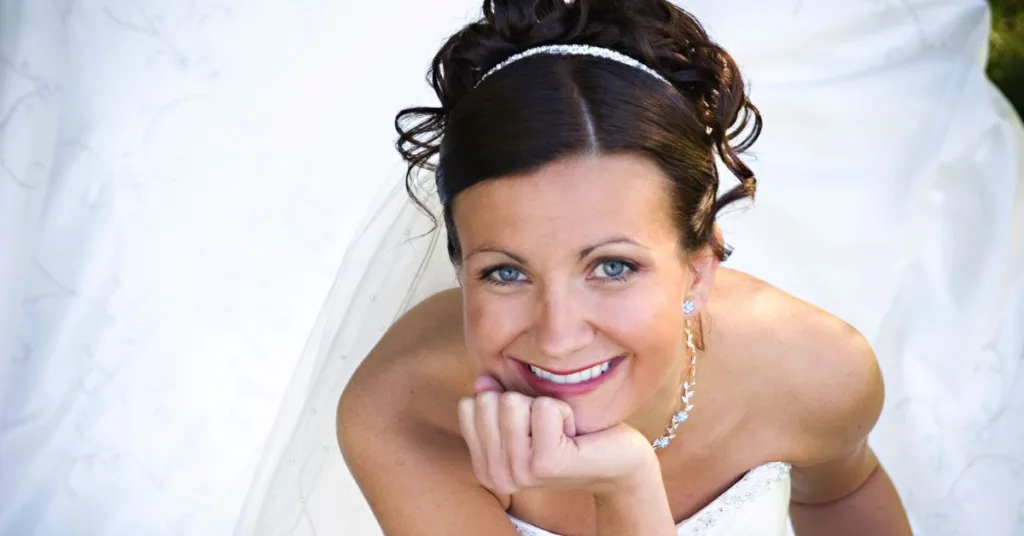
(558, 50)
(574, 50)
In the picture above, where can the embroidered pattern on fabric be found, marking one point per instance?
(752, 485)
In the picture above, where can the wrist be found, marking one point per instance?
(637, 505)
(646, 477)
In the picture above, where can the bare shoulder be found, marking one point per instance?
(398, 426)
(817, 374)
(418, 359)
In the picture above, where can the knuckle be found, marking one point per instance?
(545, 404)
(487, 398)
(512, 403)
(542, 401)
(544, 407)
(512, 398)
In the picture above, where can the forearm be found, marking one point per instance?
(640, 508)
(874, 508)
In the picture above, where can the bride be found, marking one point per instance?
(861, 115)
(596, 371)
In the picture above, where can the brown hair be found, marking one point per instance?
(546, 107)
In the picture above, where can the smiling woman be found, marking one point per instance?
(772, 372)
(575, 152)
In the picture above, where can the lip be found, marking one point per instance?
(562, 390)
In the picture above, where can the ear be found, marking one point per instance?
(703, 266)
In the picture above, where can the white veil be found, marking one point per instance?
(891, 179)
(397, 259)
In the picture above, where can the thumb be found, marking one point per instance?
(618, 450)
(484, 384)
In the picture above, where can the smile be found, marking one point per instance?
(567, 383)
(574, 378)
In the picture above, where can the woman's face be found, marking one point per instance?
(572, 279)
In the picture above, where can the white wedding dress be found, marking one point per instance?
(756, 505)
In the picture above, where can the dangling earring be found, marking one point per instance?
(688, 307)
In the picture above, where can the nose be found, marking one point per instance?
(562, 327)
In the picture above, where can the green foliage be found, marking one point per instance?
(1006, 50)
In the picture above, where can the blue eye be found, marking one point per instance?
(504, 275)
(614, 269)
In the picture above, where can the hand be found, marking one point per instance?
(518, 442)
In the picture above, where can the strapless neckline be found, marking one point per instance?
(751, 486)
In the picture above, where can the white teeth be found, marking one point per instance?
(575, 377)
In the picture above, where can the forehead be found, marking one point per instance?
(587, 197)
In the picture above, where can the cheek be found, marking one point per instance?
(644, 316)
(647, 322)
(491, 322)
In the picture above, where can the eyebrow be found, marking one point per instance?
(491, 249)
(583, 252)
(615, 240)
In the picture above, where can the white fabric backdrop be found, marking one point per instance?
(178, 182)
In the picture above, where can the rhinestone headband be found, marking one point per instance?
(575, 50)
(560, 50)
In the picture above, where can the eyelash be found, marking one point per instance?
(632, 269)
